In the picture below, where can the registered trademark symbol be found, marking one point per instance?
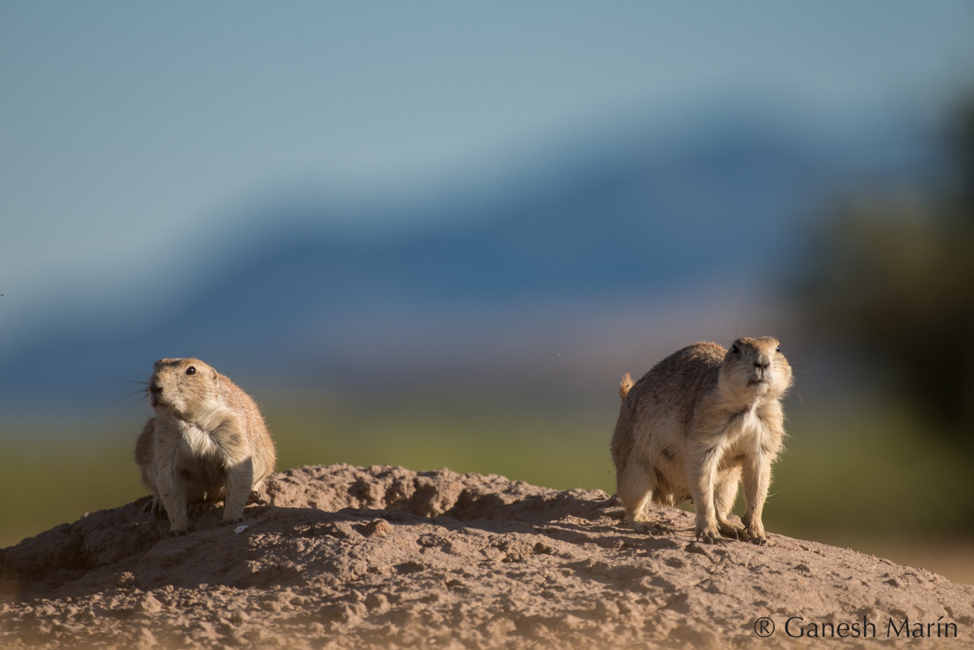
(764, 627)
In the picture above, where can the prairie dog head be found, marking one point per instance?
(186, 388)
(755, 369)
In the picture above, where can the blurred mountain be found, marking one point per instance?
(304, 301)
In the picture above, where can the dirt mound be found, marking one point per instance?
(385, 557)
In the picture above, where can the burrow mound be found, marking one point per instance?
(386, 557)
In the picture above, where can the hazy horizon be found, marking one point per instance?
(127, 129)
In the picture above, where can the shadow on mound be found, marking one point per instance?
(386, 557)
(127, 547)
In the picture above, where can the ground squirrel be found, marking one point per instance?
(699, 421)
(207, 442)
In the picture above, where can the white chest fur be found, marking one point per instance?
(746, 424)
(196, 443)
(745, 432)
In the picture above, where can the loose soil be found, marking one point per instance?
(383, 557)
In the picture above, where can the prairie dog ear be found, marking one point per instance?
(214, 373)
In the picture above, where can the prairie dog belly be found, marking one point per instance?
(199, 462)
(667, 465)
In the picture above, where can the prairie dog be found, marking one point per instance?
(207, 442)
(699, 421)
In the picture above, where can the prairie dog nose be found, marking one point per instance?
(763, 362)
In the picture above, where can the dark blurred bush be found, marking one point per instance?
(893, 275)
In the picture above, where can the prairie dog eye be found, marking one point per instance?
(734, 349)
(191, 370)
(777, 348)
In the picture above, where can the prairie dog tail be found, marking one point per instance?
(625, 385)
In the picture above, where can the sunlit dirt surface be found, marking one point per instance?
(383, 557)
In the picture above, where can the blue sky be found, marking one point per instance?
(132, 127)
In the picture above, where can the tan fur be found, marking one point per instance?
(625, 385)
(207, 442)
(697, 423)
